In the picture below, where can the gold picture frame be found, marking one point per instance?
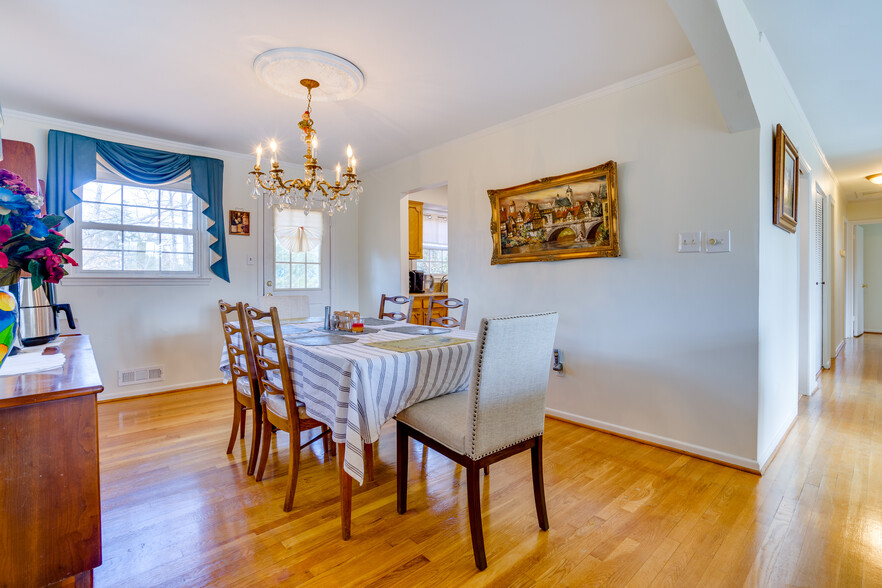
(786, 193)
(562, 217)
(240, 223)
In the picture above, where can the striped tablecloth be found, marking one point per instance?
(356, 388)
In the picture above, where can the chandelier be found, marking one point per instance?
(312, 190)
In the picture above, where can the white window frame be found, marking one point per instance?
(73, 233)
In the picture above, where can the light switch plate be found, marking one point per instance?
(718, 242)
(689, 242)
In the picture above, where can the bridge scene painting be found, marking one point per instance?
(568, 216)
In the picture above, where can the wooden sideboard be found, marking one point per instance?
(50, 507)
(421, 308)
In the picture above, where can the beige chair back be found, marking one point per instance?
(396, 315)
(509, 381)
(449, 304)
(289, 306)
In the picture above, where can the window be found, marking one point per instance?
(434, 260)
(135, 230)
(298, 249)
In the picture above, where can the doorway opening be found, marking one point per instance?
(424, 237)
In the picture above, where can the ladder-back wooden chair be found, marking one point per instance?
(280, 406)
(246, 394)
(396, 315)
(449, 304)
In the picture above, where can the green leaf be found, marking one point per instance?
(67, 250)
(52, 220)
(36, 275)
(9, 276)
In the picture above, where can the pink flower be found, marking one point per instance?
(53, 266)
(38, 253)
(4, 261)
(5, 234)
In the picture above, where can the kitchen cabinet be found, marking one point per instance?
(421, 308)
(414, 229)
(50, 505)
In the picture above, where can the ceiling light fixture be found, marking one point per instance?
(276, 68)
(875, 178)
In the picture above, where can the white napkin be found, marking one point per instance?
(25, 363)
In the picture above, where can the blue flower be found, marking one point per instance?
(13, 202)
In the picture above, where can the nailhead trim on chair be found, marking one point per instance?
(480, 351)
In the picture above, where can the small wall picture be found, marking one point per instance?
(562, 217)
(240, 222)
(786, 182)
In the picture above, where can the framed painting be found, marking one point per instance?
(562, 217)
(786, 182)
(240, 222)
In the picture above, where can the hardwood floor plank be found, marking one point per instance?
(178, 511)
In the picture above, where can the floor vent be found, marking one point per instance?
(140, 376)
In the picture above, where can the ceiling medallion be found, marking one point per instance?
(282, 69)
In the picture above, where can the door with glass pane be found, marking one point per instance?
(297, 256)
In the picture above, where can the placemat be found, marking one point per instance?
(374, 322)
(417, 343)
(367, 331)
(323, 339)
(287, 330)
(293, 321)
(418, 330)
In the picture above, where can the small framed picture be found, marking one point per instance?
(240, 222)
(786, 182)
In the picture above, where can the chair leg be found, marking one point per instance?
(486, 470)
(539, 484)
(237, 414)
(242, 423)
(333, 445)
(325, 441)
(264, 447)
(293, 468)
(474, 492)
(402, 438)
(369, 461)
(256, 431)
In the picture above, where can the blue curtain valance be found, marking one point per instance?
(73, 160)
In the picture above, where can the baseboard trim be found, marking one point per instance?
(162, 390)
(718, 457)
(839, 349)
(775, 451)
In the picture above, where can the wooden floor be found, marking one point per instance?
(177, 511)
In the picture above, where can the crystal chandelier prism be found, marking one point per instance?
(312, 191)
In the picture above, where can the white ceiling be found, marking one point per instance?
(435, 71)
(831, 54)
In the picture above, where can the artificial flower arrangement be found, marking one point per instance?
(29, 242)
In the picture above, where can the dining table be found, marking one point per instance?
(356, 382)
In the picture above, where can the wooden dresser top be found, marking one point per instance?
(78, 376)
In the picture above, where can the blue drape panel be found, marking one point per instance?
(72, 163)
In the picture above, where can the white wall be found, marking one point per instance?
(658, 345)
(873, 278)
(779, 251)
(177, 326)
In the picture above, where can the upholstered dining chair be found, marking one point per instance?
(246, 395)
(281, 409)
(296, 306)
(396, 315)
(501, 414)
(449, 304)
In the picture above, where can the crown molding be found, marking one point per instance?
(115, 135)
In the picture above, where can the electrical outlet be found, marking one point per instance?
(250, 260)
(557, 366)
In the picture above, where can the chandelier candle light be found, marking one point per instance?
(303, 193)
